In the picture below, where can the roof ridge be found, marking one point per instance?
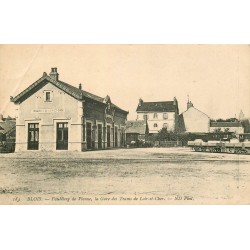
(66, 87)
(157, 101)
(225, 122)
(197, 110)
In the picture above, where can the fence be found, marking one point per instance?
(168, 144)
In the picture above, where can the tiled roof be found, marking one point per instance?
(225, 124)
(80, 92)
(67, 88)
(136, 127)
(167, 106)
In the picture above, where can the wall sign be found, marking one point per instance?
(46, 111)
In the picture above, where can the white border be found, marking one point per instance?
(125, 227)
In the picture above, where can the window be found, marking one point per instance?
(165, 116)
(155, 125)
(155, 115)
(145, 117)
(165, 125)
(48, 96)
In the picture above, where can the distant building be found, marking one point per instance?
(241, 116)
(193, 120)
(54, 115)
(7, 134)
(158, 114)
(221, 126)
(136, 131)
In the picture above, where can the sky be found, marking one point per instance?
(215, 77)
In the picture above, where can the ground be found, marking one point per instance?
(125, 176)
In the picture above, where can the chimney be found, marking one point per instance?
(80, 86)
(53, 74)
(189, 104)
(140, 102)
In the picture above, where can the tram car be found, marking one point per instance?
(233, 146)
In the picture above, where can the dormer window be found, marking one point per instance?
(165, 116)
(155, 115)
(48, 96)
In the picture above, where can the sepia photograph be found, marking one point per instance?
(124, 124)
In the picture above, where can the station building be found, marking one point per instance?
(54, 115)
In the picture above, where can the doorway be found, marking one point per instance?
(108, 136)
(99, 136)
(33, 136)
(62, 136)
(89, 135)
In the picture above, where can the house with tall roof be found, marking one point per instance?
(54, 115)
(159, 114)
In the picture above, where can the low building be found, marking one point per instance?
(158, 115)
(54, 115)
(221, 126)
(7, 134)
(193, 120)
(136, 131)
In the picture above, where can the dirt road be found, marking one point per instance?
(125, 176)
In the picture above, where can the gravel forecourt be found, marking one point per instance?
(124, 176)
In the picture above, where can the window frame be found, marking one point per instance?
(145, 117)
(165, 116)
(165, 125)
(45, 92)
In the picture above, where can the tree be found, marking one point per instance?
(163, 135)
(246, 125)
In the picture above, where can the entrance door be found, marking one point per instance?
(33, 136)
(99, 136)
(89, 135)
(62, 136)
(122, 137)
(116, 137)
(108, 136)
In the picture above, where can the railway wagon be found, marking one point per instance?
(233, 147)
